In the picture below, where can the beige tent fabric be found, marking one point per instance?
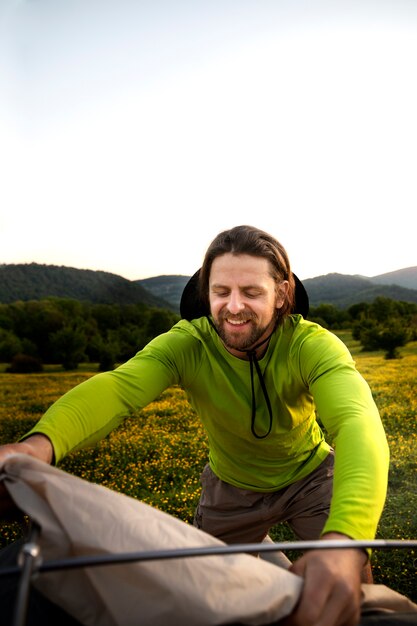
(79, 518)
(379, 598)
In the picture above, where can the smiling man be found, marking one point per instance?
(257, 373)
(244, 300)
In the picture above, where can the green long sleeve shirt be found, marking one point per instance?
(307, 371)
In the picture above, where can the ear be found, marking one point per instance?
(282, 292)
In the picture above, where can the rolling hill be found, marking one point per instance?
(167, 287)
(35, 282)
(406, 277)
(341, 290)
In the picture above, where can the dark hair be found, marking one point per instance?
(257, 243)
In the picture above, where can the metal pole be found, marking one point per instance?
(178, 553)
(29, 557)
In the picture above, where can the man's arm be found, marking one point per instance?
(91, 410)
(87, 413)
(350, 416)
(38, 446)
(332, 578)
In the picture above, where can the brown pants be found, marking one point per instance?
(239, 516)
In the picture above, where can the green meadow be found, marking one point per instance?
(159, 452)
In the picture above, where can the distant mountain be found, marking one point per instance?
(405, 278)
(35, 282)
(169, 288)
(343, 290)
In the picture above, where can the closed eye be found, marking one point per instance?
(221, 293)
(253, 293)
(247, 293)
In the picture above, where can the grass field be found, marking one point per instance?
(158, 454)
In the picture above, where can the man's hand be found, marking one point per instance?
(331, 594)
(38, 446)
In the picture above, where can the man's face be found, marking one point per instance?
(244, 299)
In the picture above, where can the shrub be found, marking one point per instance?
(24, 364)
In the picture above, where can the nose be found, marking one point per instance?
(235, 304)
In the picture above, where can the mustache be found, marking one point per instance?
(243, 316)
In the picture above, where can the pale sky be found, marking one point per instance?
(133, 131)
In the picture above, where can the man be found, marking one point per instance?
(256, 374)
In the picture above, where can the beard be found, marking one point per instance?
(239, 340)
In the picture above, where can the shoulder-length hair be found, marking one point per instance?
(254, 242)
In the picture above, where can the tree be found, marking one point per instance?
(329, 316)
(160, 321)
(62, 330)
(69, 345)
(358, 311)
(10, 345)
(383, 309)
(392, 337)
(106, 315)
(106, 350)
(366, 331)
(106, 361)
(374, 335)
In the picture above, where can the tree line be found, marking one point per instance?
(383, 324)
(68, 332)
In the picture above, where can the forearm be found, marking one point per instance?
(38, 446)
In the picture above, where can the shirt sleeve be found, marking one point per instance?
(348, 412)
(90, 411)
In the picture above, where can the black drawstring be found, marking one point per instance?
(254, 360)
